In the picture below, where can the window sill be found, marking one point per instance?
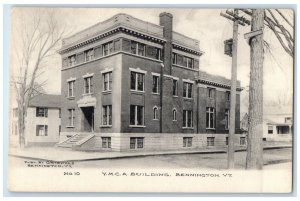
(175, 96)
(174, 120)
(210, 129)
(71, 97)
(155, 119)
(155, 93)
(187, 127)
(137, 92)
(70, 126)
(105, 126)
(87, 94)
(107, 92)
(188, 99)
(136, 126)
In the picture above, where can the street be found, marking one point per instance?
(205, 161)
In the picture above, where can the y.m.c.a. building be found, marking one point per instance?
(128, 84)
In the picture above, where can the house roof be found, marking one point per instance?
(216, 80)
(46, 100)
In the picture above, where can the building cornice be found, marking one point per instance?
(98, 37)
(217, 84)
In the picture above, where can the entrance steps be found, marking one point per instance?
(75, 140)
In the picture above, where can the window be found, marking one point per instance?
(174, 58)
(89, 55)
(187, 141)
(288, 119)
(182, 60)
(242, 140)
(210, 141)
(107, 48)
(155, 88)
(59, 113)
(187, 90)
(174, 115)
(270, 129)
(106, 142)
(41, 112)
(71, 88)
(107, 115)
(133, 47)
(211, 92)
(72, 60)
(190, 63)
(41, 130)
(88, 85)
(210, 118)
(136, 143)
(228, 95)
(175, 87)
(137, 81)
(227, 140)
(137, 48)
(136, 115)
(187, 118)
(71, 117)
(107, 81)
(227, 119)
(141, 49)
(155, 115)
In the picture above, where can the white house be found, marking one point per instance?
(42, 123)
(278, 124)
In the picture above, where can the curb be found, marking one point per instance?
(138, 155)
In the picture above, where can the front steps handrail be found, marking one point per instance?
(85, 139)
(64, 141)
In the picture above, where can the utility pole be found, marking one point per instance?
(233, 53)
(254, 158)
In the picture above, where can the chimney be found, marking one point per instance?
(166, 20)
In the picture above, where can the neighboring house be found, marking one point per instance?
(278, 124)
(244, 123)
(42, 123)
(128, 84)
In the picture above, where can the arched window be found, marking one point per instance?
(155, 115)
(174, 115)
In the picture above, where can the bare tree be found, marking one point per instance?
(39, 41)
(282, 28)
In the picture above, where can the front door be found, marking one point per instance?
(88, 119)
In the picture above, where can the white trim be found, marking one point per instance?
(106, 70)
(138, 70)
(170, 76)
(173, 114)
(188, 80)
(88, 75)
(156, 74)
(71, 79)
(155, 107)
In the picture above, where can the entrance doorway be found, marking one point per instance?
(88, 119)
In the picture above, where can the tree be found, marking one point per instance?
(39, 40)
(255, 149)
(261, 17)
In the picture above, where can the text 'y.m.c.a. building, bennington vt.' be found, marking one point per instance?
(128, 85)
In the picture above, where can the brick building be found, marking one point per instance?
(130, 84)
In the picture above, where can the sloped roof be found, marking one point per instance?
(204, 76)
(46, 100)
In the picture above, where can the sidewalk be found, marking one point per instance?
(65, 154)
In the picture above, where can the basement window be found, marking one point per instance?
(136, 143)
(187, 142)
(106, 142)
(210, 141)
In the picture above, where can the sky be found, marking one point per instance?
(205, 25)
